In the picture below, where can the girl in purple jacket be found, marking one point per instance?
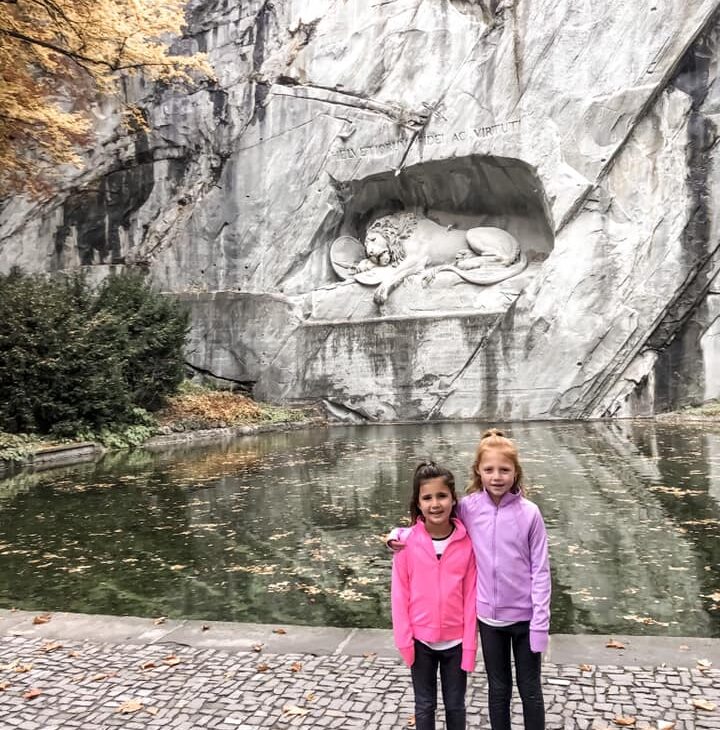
(513, 585)
(433, 599)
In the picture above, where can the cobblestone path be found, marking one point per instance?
(165, 685)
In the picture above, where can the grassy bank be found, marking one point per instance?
(193, 408)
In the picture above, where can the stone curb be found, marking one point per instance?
(233, 637)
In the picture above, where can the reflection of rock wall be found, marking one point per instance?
(605, 521)
(586, 131)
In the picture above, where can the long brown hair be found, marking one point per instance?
(424, 472)
(497, 440)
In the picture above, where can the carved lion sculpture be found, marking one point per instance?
(401, 244)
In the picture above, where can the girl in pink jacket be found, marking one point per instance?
(433, 599)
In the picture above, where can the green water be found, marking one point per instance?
(285, 528)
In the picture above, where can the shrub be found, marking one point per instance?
(73, 360)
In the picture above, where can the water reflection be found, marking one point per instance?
(286, 527)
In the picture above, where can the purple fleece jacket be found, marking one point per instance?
(511, 553)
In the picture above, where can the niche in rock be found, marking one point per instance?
(454, 227)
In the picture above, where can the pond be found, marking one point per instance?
(286, 527)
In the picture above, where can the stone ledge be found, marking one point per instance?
(590, 649)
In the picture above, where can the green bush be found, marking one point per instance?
(72, 359)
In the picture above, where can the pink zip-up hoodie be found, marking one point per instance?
(510, 544)
(434, 599)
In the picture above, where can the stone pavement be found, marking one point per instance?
(118, 672)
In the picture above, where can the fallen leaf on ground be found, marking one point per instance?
(370, 654)
(296, 667)
(262, 667)
(152, 710)
(257, 647)
(703, 664)
(613, 644)
(22, 668)
(279, 631)
(204, 627)
(703, 704)
(665, 725)
(172, 660)
(150, 664)
(130, 706)
(624, 720)
(310, 697)
(73, 653)
(586, 667)
(50, 646)
(99, 676)
(294, 710)
(43, 618)
(32, 693)
(159, 620)
(4, 686)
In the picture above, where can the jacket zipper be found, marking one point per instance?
(494, 607)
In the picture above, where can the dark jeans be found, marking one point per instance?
(453, 681)
(496, 643)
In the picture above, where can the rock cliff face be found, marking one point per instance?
(587, 131)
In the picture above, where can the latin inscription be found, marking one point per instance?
(429, 139)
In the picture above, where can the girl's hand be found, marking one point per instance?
(538, 641)
(395, 545)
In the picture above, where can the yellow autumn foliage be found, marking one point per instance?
(55, 55)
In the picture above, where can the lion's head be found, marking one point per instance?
(385, 235)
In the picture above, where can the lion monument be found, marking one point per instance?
(399, 245)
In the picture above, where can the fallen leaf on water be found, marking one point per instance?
(296, 667)
(714, 596)
(32, 693)
(262, 667)
(279, 631)
(703, 664)
(612, 644)
(665, 725)
(257, 647)
(130, 706)
(43, 618)
(625, 720)
(294, 710)
(586, 667)
(150, 664)
(159, 620)
(50, 646)
(172, 660)
(703, 704)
